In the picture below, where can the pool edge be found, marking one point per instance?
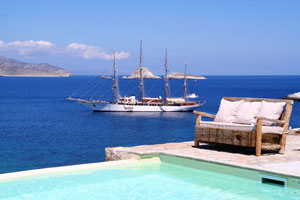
(227, 168)
(71, 168)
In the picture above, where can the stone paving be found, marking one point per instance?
(288, 163)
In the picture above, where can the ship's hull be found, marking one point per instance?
(109, 107)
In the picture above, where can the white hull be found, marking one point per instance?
(109, 107)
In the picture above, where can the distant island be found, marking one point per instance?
(149, 75)
(106, 77)
(177, 75)
(11, 67)
(146, 74)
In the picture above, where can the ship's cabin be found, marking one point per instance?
(154, 101)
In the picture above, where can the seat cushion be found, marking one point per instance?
(243, 127)
(227, 111)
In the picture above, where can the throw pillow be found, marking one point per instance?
(227, 111)
(270, 110)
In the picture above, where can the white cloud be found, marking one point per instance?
(81, 50)
(93, 52)
(87, 52)
(27, 47)
(122, 55)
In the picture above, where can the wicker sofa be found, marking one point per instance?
(248, 122)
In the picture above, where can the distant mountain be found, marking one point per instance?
(146, 74)
(11, 67)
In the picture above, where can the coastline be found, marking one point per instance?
(35, 75)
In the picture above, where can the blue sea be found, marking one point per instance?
(41, 128)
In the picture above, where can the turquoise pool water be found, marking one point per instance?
(142, 181)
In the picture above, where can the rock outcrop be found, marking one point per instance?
(118, 153)
(11, 67)
(295, 96)
(146, 74)
(177, 75)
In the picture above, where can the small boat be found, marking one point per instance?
(106, 77)
(191, 96)
(142, 104)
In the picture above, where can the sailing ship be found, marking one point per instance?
(143, 104)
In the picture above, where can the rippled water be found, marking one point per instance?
(40, 128)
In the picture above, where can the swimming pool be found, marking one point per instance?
(144, 180)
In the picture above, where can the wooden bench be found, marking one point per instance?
(247, 138)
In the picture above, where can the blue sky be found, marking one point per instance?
(232, 37)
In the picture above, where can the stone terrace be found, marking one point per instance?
(288, 163)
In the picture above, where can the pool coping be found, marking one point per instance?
(231, 164)
(72, 168)
(236, 159)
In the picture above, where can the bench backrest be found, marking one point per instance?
(258, 99)
(287, 111)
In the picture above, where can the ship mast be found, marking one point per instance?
(166, 76)
(115, 79)
(184, 84)
(141, 74)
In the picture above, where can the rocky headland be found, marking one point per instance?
(295, 96)
(12, 67)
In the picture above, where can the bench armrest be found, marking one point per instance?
(205, 114)
(200, 114)
(270, 120)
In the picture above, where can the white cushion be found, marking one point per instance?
(270, 110)
(224, 125)
(243, 127)
(246, 113)
(227, 111)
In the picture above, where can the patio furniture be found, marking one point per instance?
(247, 122)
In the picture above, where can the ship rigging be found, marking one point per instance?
(142, 104)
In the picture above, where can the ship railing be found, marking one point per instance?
(86, 101)
(201, 102)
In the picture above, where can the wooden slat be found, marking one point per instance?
(205, 114)
(270, 120)
(253, 139)
(212, 134)
(258, 137)
(218, 135)
(287, 116)
(237, 138)
(198, 120)
(270, 146)
(258, 99)
(271, 138)
(225, 136)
